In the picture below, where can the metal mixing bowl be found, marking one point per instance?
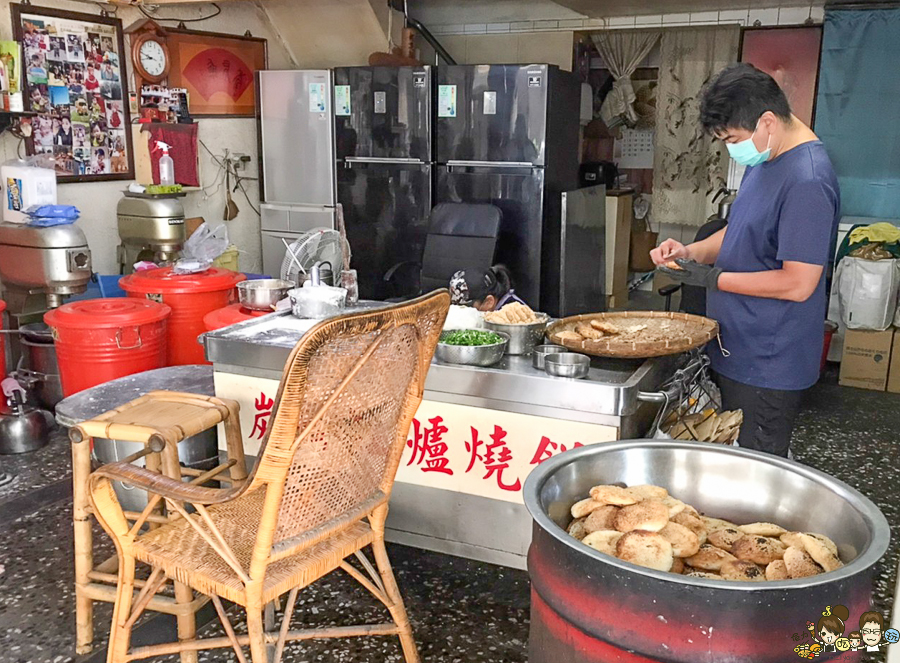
(262, 294)
(567, 365)
(541, 351)
(471, 355)
(665, 616)
(522, 338)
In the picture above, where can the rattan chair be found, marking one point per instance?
(318, 495)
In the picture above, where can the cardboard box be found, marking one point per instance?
(893, 384)
(867, 359)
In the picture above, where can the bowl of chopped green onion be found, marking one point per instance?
(474, 347)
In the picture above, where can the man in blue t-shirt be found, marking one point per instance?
(764, 273)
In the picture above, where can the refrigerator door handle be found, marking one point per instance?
(380, 160)
(492, 164)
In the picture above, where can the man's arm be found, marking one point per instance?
(795, 282)
(706, 251)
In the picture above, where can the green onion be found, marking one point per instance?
(471, 337)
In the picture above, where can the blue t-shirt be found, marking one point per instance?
(786, 210)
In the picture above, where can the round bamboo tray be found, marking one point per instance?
(666, 333)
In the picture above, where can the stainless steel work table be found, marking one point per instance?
(477, 434)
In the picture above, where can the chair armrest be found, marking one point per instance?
(669, 290)
(389, 275)
(164, 486)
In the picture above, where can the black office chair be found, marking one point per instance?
(693, 298)
(460, 236)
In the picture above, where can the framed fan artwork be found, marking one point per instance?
(74, 81)
(217, 70)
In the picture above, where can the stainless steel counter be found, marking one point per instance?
(609, 395)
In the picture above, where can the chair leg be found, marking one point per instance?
(84, 562)
(256, 631)
(397, 609)
(187, 622)
(120, 632)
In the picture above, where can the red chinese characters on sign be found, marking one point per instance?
(496, 457)
(264, 407)
(218, 70)
(428, 448)
(546, 448)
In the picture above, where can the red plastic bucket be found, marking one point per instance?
(2, 343)
(98, 340)
(830, 328)
(230, 315)
(191, 297)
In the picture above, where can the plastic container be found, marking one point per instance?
(191, 297)
(317, 302)
(229, 259)
(24, 186)
(99, 340)
(166, 165)
(230, 315)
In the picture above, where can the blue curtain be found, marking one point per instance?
(858, 108)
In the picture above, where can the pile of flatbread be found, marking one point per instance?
(597, 329)
(646, 526)
(706, 426)
(514, 313)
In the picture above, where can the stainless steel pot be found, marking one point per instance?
(262, 294)
(23, 428)
(522, 338)
(471, 355)
(603, 606)
(38, 369)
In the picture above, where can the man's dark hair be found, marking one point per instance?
(738, 96)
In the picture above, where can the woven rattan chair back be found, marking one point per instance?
(346, 400)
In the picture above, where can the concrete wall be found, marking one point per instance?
(333, 33)
(97, 200)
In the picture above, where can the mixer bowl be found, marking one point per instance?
(262, 294)
(608, 606)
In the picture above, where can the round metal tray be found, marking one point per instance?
(666, 333)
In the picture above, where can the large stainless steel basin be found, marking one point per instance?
(600, 605)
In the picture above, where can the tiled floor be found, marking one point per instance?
(462, 611)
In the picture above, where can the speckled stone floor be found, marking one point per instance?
(462, 611)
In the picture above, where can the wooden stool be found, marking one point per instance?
(159, 420)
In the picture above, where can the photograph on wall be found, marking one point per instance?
(218, 71)
(75, 82)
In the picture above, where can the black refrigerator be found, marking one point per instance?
(508, 135)
(383, 136)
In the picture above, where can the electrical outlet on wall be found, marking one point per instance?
(239, 161)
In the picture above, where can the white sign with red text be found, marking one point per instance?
(477, 451)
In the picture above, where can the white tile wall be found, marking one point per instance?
(676, 19)
(747, 17)
(793, 15)
(764, 16)
(647, 21)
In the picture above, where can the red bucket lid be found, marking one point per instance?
(163, 280)
(2, 306)
(112, 312)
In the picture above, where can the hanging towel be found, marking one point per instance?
(182, 142)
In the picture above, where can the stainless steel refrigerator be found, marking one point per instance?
(508, 135)
(296, 146)
(383, 129)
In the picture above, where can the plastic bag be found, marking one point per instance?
(45, 216)
(867, 291)
(206, 244)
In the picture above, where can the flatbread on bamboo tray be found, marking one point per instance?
(636, 334)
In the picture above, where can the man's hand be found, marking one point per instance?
(669, 250)
(693, 273)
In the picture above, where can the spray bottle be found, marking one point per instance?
(166, 165)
